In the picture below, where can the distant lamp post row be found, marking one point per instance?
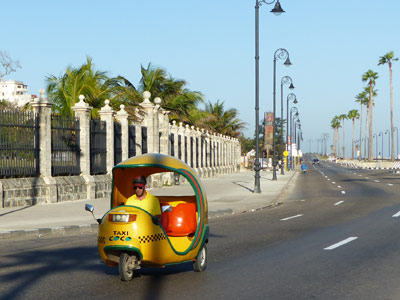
(277, 10)
(284, 80)
(279, 54)
(291, 97)
(292, 110)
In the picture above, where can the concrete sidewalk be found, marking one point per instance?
(226, 194)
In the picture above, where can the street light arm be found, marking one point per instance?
(282, 53)
(286, 80)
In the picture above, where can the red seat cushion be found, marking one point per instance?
(181, 221)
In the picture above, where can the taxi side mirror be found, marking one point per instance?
(166, 208)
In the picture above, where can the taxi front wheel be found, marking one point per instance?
(200, 263)
(126, 262)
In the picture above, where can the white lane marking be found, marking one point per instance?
(396, 215)
(296, 216)
(360, 175)
(328, 179)
(348, 240)
(389, 184)
(326, 176)
(355, 173)
(376, 180)
(338, 203)
(339, 186)
(366, 177)
(343, 192)
(333, 182)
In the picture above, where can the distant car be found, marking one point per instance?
(315, 161)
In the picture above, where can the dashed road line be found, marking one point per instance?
(289, 218)
(396, 215)
(376, 180)
(333, 182)
(344, 242)
(339, 186)
(343, 192)
(338, 203)
(389, 184)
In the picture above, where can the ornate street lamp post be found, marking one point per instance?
(381, 134)
(277, 10)
(376, 145)
(285, 80)
(279, 54)
(290, 97)
(387, 132)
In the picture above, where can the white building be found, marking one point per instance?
(15, 92)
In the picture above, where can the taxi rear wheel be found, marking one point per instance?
(126, 262)
(200, 263)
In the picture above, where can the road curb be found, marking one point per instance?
(44, 232)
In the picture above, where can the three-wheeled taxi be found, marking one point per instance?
(129, 238)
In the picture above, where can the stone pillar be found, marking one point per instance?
(82, 112)
(186, 138)
(150, 122)
(107, 115)
(138, 132)
(163, 121)
(181, 134)
(42, 106)
(174, 130)
(122, 117)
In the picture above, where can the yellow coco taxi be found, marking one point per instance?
(129, 238)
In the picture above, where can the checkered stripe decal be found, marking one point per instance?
(152, 238)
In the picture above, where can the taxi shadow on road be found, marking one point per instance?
(33, 269)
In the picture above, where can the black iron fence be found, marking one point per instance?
(65, 149)
(98, 147)
(144, 140)
(19, 144)
(132, 141)
(117, 143)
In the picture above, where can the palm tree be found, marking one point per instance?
(363, 99)
(180, 101)
(215, 118)
(342, 118)
(353, 115)
(335, 124)
(388, 58)
(94, 85)
(370, 77)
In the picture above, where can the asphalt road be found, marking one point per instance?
(335, 236)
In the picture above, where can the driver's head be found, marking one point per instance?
(139, 185)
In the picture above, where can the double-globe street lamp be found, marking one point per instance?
(285, 80)
(279, 54)
(293, 109)
(277, 10)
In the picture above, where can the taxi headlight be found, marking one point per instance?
(122, 218)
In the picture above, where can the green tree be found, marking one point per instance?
(64, 90)
(215, 118)
(353, 115)
(370, 77)
(335, 124)
(388, 58)
(180, 101)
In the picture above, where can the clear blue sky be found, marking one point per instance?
(211, 45)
